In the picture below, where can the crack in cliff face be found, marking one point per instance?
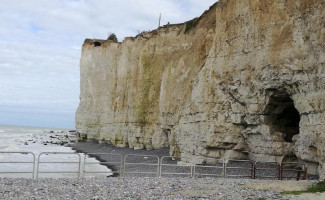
(246, 82)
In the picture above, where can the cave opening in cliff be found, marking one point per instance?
(97, 44)
(165, 136)
(283, 117)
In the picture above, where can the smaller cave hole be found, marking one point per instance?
(166, 135)
(97, 44)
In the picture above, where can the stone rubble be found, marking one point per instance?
(62, 138)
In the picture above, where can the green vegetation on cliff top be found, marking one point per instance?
(191, 25)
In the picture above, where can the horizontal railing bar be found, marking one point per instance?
(141, 164)
(208, 174)
(175, 173)
(27, 162)
(140, 173)
(178, 165)
(58, 153)
(240, 175)
(139, 155)
(42, 162)
(20, 152)
(286, 163)
(238, 168)
(296, 170)
(110, 154)
(103, 163)
(198, 166)
(23, 172)
(59, 172)
(290, 176)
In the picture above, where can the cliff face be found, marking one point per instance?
(245, 80)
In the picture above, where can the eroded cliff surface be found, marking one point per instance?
(245, 80)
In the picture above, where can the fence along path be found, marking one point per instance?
(113, 161)
(54, 165)
(143, 165)
(22, 164)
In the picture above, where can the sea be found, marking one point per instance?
(24, 150)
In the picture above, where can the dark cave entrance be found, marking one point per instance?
(282, 116)
(166, 135)
(97, 44)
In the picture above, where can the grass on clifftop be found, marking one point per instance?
(319, 187)
(191, 25)
(112, 37)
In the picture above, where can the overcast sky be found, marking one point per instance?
(40, 47)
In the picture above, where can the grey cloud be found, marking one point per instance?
(40, 43)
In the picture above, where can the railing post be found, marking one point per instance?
(305, 173)
(123, 166)
(37, 168)
(160, 166)
(254, 169)
(80, 167)
(224, 169)
(279, 171)
(158, 169)
(84, 166)
(34, 167)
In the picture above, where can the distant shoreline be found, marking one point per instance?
(38, 127)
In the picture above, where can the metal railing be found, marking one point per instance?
(174, 167)
(149, 162)
(267, 170)
(300, 168)
(113, 160)
(33, 161)
(245, 168)
(53, 162)
(149, 165)
(212, 167)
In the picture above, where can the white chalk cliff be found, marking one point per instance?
(244, 80)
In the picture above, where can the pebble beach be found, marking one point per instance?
(139, 188)
(132, 187)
